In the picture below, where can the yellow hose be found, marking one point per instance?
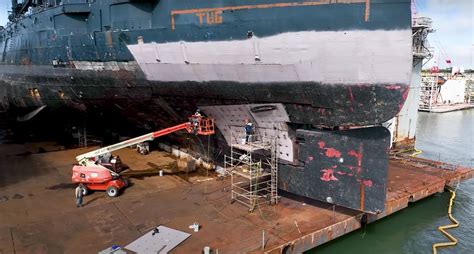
(417, 152)
(455, 224)
(414, 150)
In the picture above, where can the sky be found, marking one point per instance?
(5, 5)
(452, 19)
(454, 24)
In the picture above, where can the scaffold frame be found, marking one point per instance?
(253, 167)
(429, 92)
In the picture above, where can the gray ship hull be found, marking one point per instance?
(292, 67)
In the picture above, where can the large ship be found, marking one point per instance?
(306, 66)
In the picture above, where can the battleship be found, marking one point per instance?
(321, 74)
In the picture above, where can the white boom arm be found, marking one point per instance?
(83, 159)
(201, 126)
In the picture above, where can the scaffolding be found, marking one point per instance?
(253, 167)
(421, 28)
(429, 91)
(470, 91)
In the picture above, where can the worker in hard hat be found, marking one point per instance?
(79, 194)
(198, 113)
(195, 121)
(249, 130)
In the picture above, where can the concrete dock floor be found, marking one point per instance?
(38, 213)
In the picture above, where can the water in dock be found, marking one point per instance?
(447, 137)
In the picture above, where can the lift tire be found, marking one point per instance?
(85, 190)
(112, 191)
(126, 181)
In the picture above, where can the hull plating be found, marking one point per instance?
(320, 63)
(347, 168)
(306, 102)
(329, 62)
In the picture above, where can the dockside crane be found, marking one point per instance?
(99, 170)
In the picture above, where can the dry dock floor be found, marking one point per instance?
(38, 213)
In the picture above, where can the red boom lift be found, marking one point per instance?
(98, 170)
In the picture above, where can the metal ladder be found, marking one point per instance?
(274, 169)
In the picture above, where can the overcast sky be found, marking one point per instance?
(452, 19)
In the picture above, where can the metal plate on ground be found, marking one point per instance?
(162, 241)
(112, 250)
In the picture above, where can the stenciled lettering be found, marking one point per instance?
(210, 18)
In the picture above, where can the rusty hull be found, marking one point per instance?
(38, 214)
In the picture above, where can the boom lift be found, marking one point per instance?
(99, 170)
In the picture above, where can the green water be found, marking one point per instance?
(448, 137)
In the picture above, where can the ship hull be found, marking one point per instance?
(330, 63)
(292, 67)
(25, 88)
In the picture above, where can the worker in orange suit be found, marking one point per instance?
(79, 194)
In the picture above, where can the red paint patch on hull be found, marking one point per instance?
(321, 144)
(405, 93)
(328, 175)
(331, 152)
(393, 87)
(349, 93)
(357, 155)
(367, 183)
